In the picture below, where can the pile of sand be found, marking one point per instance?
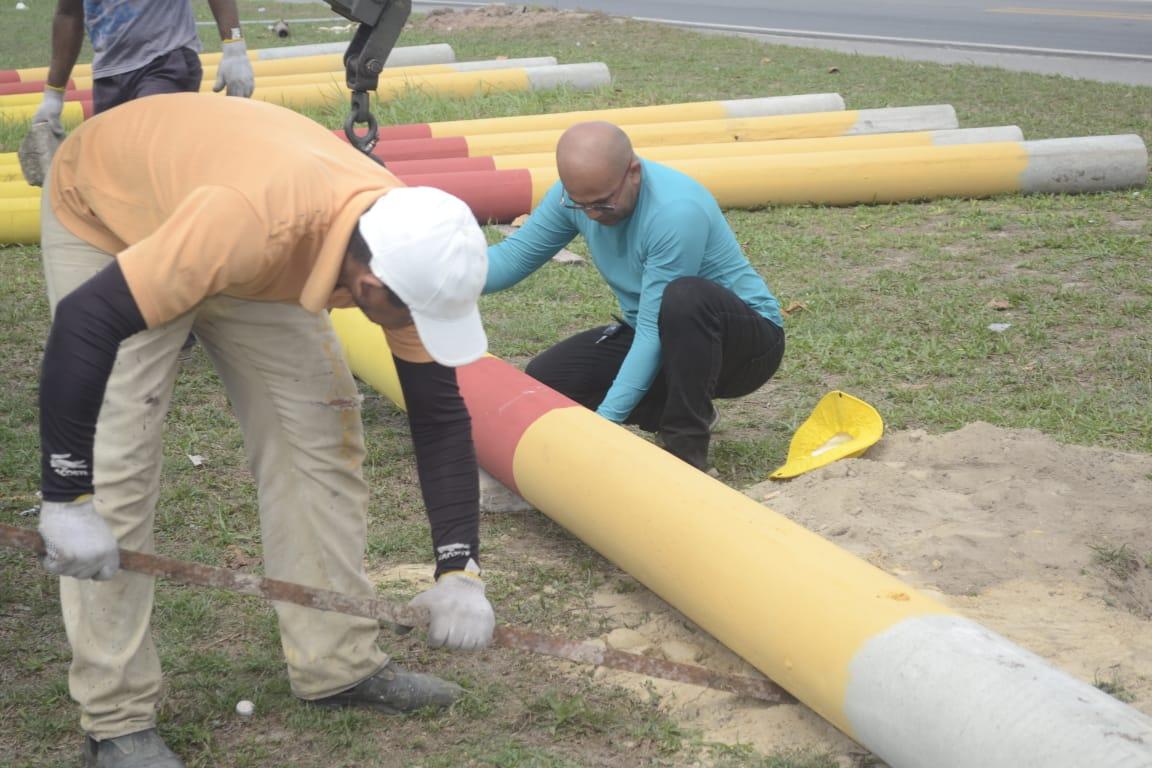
(1008, 527)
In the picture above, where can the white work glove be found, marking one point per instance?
(462, 618)
(235, 71)
(49, 110)
(78, 541)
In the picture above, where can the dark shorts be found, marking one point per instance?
(178, 71)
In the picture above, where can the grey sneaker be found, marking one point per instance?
(396, 691)
(143, 749)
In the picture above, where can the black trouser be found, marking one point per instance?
(713, 346)
(177, 71)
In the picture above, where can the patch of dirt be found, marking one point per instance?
(1047, 544)
(983, 506)
(499, 16)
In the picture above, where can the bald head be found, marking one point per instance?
(599, 170)
(590, 155)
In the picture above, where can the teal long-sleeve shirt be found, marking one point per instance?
(676, 230)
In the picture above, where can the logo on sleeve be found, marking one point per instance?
(65, 466)
(451, 551)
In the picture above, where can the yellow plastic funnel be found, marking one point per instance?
(840, 426)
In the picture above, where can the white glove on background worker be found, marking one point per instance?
(462, 617)
(39, 145)
(235, 71)
(50, 109)
(79, 543)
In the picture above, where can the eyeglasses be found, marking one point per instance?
(599, 207)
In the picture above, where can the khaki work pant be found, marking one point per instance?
(298, 407)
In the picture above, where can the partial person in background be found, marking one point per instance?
(698, 323)
(139, 48)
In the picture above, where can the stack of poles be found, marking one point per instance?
(319, 71)
(34, 78)
(749, 153)
(20, 203)
(317, 81)
(21, 89)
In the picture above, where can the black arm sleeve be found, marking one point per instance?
(86, 332)
(445, 460)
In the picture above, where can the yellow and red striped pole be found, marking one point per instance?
(435, 53)
(469, 83)
(726, 130)
(665, 154)
(320, 77)
(1087, 164)
(656, 113)
(902, 674)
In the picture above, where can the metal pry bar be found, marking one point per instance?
(402, 617)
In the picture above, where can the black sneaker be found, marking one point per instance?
(143, 749)
(396, 691)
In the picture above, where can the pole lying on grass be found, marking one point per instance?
(666, 153)
(583, 76)
(810, 125)
(1064, 166)
(655, 113)
(317, 77)
(402, 618)
(435, 53)
(898, 671)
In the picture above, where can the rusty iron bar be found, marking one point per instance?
(402, 618)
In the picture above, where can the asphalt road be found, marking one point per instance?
(1099, 26)
(1107, 40)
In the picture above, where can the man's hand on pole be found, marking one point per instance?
(462, 617)
(235, 71)
(78, 541)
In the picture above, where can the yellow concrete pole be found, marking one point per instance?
(790, 146)
(771, 127)
(901, 673)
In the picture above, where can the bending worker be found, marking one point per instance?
(242, 221)
(698, 322)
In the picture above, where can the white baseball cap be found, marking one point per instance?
(428, 249)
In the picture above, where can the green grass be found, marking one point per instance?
(896, 303)
(1120, 562)
(1114, 687)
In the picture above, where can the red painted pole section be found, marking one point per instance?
(31, 86)
(503, 403)
(442, 165)
(422, 149)
(494, 196)
(403, 132)
(398, 132)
